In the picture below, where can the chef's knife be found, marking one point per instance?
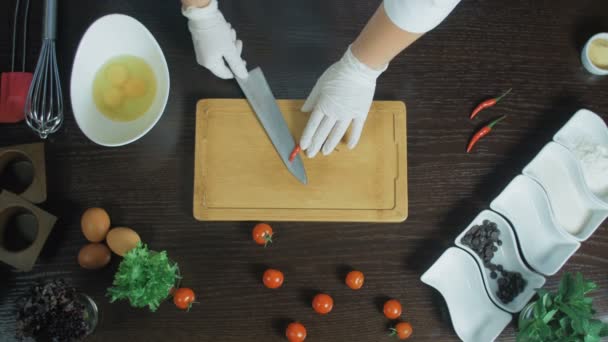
(262, 101)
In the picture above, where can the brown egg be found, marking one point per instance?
(95, 223)
(122, 239)
(94, 256)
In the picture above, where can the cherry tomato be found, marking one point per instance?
(355, 279)
(322, 303)
(392, 309)
(273, 279)
(295, 332)
(403, 330)
(183, 298)
(262, 234)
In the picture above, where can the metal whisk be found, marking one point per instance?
(44, 104)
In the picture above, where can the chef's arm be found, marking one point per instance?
(395, 26)
(215, 41)
(341, 98)
(195, 3)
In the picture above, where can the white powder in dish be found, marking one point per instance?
(569, 208)
(594, 160)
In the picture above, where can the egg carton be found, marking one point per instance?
(23, 171)
(24, 227)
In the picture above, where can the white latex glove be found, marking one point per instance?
(215, 41)
(342, 96)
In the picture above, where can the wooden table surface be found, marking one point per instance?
(482, 49)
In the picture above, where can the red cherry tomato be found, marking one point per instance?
(392, 309)
(403, 330)
(355, 279)
(322, 303)
(262, 234)
(183, 298)
(273, 279)
(295, 332)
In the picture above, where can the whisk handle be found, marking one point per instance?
(50, 20)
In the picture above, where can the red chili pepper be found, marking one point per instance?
(487, 104)
(294, 153)
(483, 132)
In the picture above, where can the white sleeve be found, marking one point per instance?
(418, 16)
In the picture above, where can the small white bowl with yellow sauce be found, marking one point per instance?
(595, 54)
(120, 81)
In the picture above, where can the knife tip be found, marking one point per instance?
(303, 180)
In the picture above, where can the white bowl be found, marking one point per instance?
(474, 317)
(587, 63)
(111, 36)
(545, 246)
(507, 255)
(574, 207)
(588, 126)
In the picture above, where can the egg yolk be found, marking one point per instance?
(135, 88)
(117, 74)
(113, 97)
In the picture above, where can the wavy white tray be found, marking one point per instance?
(456, 276)
(507, 255)
(545, 246)
(588, 126)
(572, 203)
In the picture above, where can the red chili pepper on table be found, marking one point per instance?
(483, 132)
(294, 153)
(488, 103)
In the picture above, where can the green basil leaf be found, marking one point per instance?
(568, 311)
(590, 286)
(589, 338)
(549, 316)
(586, 326)
(566, 339)
(546, 300)
(564, 323)
(595, 327)
(544, 331)
(604, 331)
(539, 311)
(579, 287)
(560, 332)
(577, 326)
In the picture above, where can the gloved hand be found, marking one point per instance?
(342, 96)
(215, 41)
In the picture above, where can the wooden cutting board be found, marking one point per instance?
(238, 175)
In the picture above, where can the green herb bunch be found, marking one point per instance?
(144, 277)
(563, 316)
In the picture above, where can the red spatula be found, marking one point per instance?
(15, 85)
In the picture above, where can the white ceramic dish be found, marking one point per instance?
(574, 207)
(587, 63)
(108, 37)
(545, 246)
(507, 255)
(456, 276)
(588, 126)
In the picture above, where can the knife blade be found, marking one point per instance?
(260, 97)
